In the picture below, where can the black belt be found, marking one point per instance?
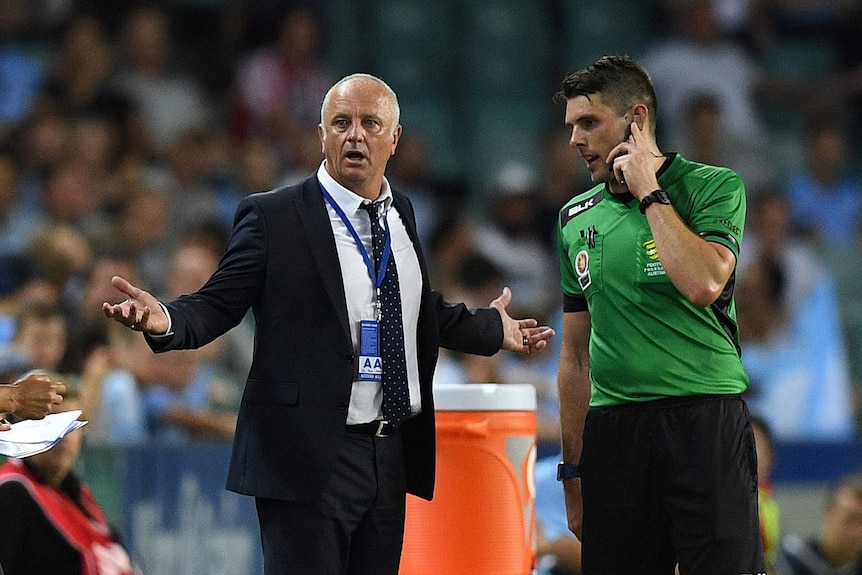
(379, 428)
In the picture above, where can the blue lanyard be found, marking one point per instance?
(377, 278)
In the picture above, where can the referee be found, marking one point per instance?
(658, 463)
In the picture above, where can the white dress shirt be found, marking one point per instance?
(366, 397)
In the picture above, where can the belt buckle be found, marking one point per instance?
(380, 425)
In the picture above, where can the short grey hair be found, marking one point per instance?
(393, 99)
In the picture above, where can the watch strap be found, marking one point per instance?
(655, 197)
(567, 471)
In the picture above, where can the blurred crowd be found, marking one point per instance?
(130, 131)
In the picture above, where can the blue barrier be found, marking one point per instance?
(173, 510)
(176, 517)
(815, 462)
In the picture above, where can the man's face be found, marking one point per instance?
(56, 463)
(596, 130)
(358, 136)
(44, 341)
(842, 522)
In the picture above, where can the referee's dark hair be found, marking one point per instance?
(620, 80)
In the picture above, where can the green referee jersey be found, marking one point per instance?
(648, 341)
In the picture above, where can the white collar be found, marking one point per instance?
(347, 200)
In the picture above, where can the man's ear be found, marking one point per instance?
(640, 113)
(396, 135)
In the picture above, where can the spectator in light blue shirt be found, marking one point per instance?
(793, 346)
(21, 78)
(824, 196)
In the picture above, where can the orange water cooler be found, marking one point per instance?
(482, 518)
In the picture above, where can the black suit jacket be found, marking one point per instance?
(281, 261)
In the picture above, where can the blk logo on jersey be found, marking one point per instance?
(569, 214)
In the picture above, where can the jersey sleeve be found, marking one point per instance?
(574, 303)
(719, 211)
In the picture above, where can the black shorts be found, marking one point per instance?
(671, 481)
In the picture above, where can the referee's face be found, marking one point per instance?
(596, 130)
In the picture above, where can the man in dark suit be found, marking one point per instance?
(326, 441)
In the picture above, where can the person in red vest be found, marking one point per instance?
(52, 523)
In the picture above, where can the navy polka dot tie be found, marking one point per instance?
(396, 393)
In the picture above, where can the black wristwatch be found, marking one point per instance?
(567, 471)
(656, 197)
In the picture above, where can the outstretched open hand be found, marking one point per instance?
(140, 311)
(521, 335)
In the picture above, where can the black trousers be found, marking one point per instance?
(355, 527)
(667, 481)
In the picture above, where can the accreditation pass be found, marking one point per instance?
(370, 363)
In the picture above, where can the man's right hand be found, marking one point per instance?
(574, 506)
(35, 396)
(140, 311)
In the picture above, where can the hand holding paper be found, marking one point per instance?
(32, 396)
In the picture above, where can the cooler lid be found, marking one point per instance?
(485, 397)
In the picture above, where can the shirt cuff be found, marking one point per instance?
(168, 332)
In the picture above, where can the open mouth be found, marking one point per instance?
(354, 156)
(591, 161)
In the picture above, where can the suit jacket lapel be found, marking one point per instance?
(315, 218)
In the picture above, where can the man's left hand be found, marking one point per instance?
(636, 162)
(521, 335)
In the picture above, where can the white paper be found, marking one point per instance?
(33, 436)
